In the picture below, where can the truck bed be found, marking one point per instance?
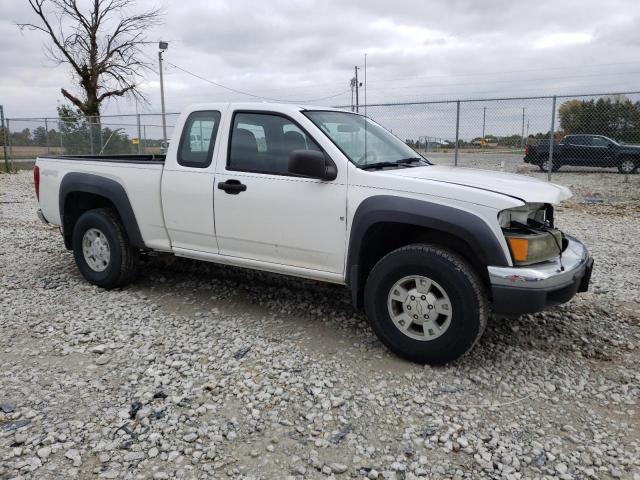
(133, 158)
(139, 175)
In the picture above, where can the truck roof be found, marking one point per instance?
(266, 106)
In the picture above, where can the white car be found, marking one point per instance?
(324, 194)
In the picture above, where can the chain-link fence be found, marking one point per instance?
(28, 138)
(591, 132)
(579, 140)
(595, 137)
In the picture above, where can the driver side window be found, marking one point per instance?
(599, 142)
(262, 143)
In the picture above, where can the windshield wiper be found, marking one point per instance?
(397, 163)
(378, 165)
(407, 161)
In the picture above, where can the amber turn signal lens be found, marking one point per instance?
(519, 248)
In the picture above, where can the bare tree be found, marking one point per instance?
(101, 43)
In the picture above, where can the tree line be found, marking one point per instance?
(76, 135)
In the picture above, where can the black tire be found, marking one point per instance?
(124, 259)
(469, 304)
(623, 165)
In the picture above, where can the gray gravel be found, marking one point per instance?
(200, 371)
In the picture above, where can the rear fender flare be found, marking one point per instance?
(105, 187)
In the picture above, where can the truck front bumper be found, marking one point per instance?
(533, 288)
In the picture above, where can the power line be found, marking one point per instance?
(477, 74)
(603, 74)
(252, 94)
(449, 97)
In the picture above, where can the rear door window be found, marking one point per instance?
(198, 139)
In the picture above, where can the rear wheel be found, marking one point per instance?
(627, 165)
(426, 304)
(544, 166)
(102, 250)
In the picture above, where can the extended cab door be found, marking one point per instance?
(602, 152)
(572, 149)
(188, 183)
(265, 214)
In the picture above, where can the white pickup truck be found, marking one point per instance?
(428, 251)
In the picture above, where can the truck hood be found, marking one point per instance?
(527, 189)
(630, 147)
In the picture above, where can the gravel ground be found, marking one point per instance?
(200, 371)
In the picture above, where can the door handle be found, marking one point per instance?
(232, 187)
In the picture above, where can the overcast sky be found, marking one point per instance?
(305, 50)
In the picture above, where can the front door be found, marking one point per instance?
(263, 213)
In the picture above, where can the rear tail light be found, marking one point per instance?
(36, 181)
(526, 150)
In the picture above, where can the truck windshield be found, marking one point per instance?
(365, 143)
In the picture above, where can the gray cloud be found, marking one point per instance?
(297, 50)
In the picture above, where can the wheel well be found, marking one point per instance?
(75, 204)
(383, 238)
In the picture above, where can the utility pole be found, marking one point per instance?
(353, 85)
(365, 84)
(484, 116)
(162, 48)
(357, 85)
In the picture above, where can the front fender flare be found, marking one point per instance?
(433, 216)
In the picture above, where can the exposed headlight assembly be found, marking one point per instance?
(530, 234)
(528, 248)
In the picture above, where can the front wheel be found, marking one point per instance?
(102, 250)
(426, 304)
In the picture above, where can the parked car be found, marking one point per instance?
(428, 251)
(585, 151)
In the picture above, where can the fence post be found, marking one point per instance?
(522, 135)
(90, 125)
(60, 135)
(8, 137)
(139, 134)
(4, 139)
(99, 125)
(46, 134)
(551, 139)
(455, 160)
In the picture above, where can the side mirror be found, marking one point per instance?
(312, 164)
